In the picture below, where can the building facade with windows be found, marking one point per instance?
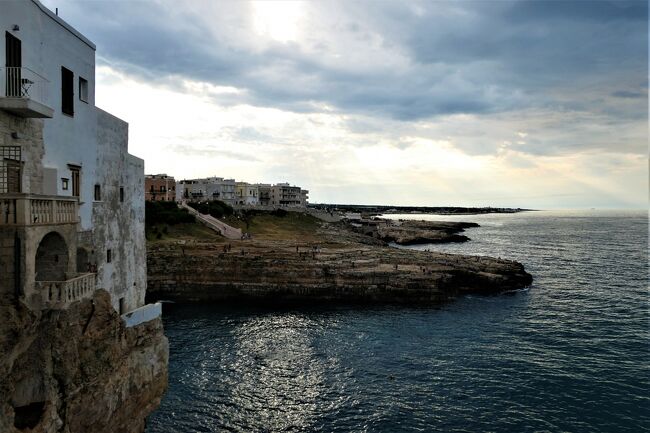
(159, 187)
(71, 196)
(247, 194)
(209, 188)
(285, 195)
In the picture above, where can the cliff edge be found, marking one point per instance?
(296, 259)
(79, 370)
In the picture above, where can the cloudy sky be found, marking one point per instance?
(505, 103)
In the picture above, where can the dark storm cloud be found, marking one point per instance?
(460, 57)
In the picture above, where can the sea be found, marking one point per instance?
(571, 353)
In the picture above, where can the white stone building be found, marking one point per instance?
(210, 188)
(242, 193)
(71, 196)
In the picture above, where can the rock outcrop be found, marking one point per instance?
(342, 268)
(423, 232)
(79, 370)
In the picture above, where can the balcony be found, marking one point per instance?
(59, 294)
(33, 210)
(25, 93)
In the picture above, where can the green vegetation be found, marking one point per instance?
(216, 208)
(160, 216)
(165, 212)
(185, 231)
(277, 225)
(165, 221)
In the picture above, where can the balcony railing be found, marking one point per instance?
(62, 293)
(25, 83)
(24, 92)
(29, 210)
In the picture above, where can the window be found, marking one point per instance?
(98, 192)
(109, 256)
(83, 89)
(75, 172)
(67, 91)
(10, 169)
(64, 184)
(121, 194)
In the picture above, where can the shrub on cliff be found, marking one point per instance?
(216, 208)
(165, 212)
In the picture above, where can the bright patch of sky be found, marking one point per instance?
(509, 103)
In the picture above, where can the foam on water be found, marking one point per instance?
(569, 354)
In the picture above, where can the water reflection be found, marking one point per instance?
(276, 373)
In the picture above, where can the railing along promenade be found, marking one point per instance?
(216, 225)
(30, 209)
(62, 293)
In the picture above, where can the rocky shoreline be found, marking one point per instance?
(335, 264)
(414, 232)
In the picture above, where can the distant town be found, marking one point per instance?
(162, 187)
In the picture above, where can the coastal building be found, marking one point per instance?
(285, 195)
(247, 194)
(264, 194)
(241, 193)
(71, 196)
(159, 187)
(210, 188)
(304, 197)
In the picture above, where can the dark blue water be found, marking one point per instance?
(569, 354)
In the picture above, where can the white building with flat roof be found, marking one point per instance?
(207, 189)
(71, 196)
(241, 193)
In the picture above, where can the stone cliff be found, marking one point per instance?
(422, 232)
(335, 265)
(79, 370)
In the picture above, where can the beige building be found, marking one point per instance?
(285, 195)
(247, 194)
(242, 193)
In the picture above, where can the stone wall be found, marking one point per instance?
(30, 140)
(7, 266)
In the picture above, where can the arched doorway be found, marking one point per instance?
(51, 258)
(83, 261)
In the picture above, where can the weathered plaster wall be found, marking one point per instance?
(119, 225)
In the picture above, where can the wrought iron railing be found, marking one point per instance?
(24, 83)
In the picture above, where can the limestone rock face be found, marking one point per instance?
(79, 370)
(336, 268)
(423, 232)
